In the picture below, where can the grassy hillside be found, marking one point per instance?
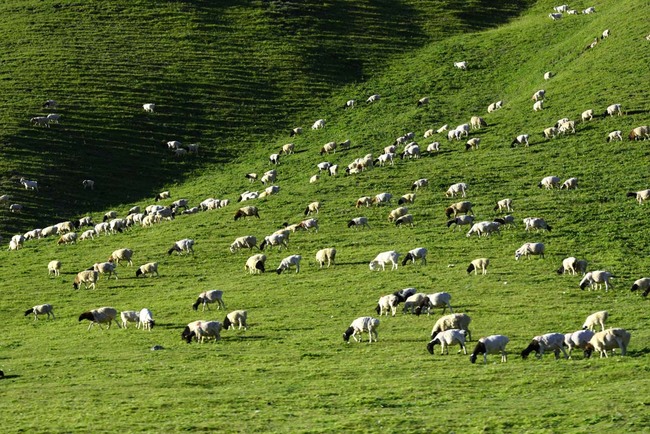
(290, 371)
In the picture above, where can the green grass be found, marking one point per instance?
(291, 371)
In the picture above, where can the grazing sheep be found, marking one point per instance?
(185, 245)
(549, 182)
(41, 121)
(642, 284)
(438, 299)
(387, 303)
(16, 242)
(384, 258)
(269, 177)
(639, 133)
(555, 16)
(106, 268)
(162, 195)
(477, 122)
(383, 159)
(277, 239)
(314, 179)
(587, 115)
(41, 309)
(287, 262)
(29, 185)
(255, 264)
(252, 177)
(54, 267)
(459, 208)
(274, 189)
(236, 317)
(209, 297)
(641, 195)
(609, 339)
(454, 189)
(406, 219)
(248, 242)
(149, 268)
(530, 249)
(567, 127)
(32, 235)
(460, 221)
(88, 183)
(128, 316)
(312, 207)
(549, 341)
(308, 224)
(539, 95)
(50, 104)
(446, 339)
(493, 344)
(494, 106)
(419, 183)
(428, 133)
(149, 107)
(561, 8)
(484, 228)
(373, 98)
(612, 110)
(287, 149)
(550, 132)
(407, 198)
(326, 255)
(145, 319)
(538, 106)
(595, 319)
(320, 123)
(121, 255)
(360, 325)
(349, 104)
(572, 265)
(452, 321)
(589, 10)
(359, 221)
(274, 159)
(202, 330)
(570, 184)
(109, 216)
(404, 294)
(397, 213)
(417, 253)
(503, 205)
(324, 166)
(247, 211)
(442, 129)
(69, 238)
(297, 131)
(520, 140)
(412, 150)
(614, 135)
(594, 279)
(433, 147)
(328, 147)
(102, 315)
(461, 65)
(87, 277)
(536, 223)
(476, 264)
(548, 75)
(382, 198)
(423, 101)
(577, 339)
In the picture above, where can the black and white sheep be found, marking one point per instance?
(276, 239)
(407, 198)
(185, 245)
(641, 195)
(389, 257)
(549, 341)
(494, 344)
(476, 264)
(609, 339)
(520, 140)
(41, 309)
(453, 321)
(438, 299)
(121, 255)
(87, 277)
(209, 297)
(414, 254)
(202, 330)
(359, 222)
(613, 109)
(313, 207)
(577, 339)
(594, 279)
(150, 268)
(255, 264)
(287, 262)
(236, 318)
(360, 325)
(572, 265)
(642, 284)
(247, 211)
(419, 183)
(446, 339)
(536, 223)
(503, 205)
(387, 303)
(460, 221)
(596, 319)
(102, 315)
(459, 208)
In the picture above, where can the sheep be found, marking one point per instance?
(549, 132)
(202, 330)
(326, 255)
(404, 294)
(428, 133)
(589, 10)
(419, 183)
(269, 191)
(411, 151)
(454, 189)
(609, 339)
(494, 106)
(476, 264)
(248, 241)
(463, 129)
(88, 183)
(612, 110)
(539, 95)
(328, 147)
(561, 8)
(209, 297)
(312, 207)
(373, 98)
(320, 123)
(642, 132)
(359, 221)
(484, 228)
(308, 224)
(33, 234)
(461, 65)
(193, 210)
(314, 179)
(407, 198)
(255, 264)
(297, 131)
(324, 166)
(530, 249)
(174, 145)
(406, 219)
(454, 135)
(29, 185)
(383, 159)
(571, 264)
(555, 16)
(87, 277)
(548, 75)
(274, 159)
(149, 107)
(442, 129)
(577, 339)
(641, 195)
(150, 268)
(185, 245)
(459, 208)
(41, 121)
(382, 198)
(477, 122)
(287, 149)
(520, 140)
(252, 177)
(145, 319)
(16, 207)
(387, 303)
(276, 239)
(287, 262)
(503, 205)
(247, 211)
(549, 341)
(64, 227)
(100, 316)
(452, 321)
(569, 184)
(594, 279)
(5, 198)
(642, 284)
(536, 223)
(493, 344)
(446, 339)
(587, 115)
(180, 152)
(109, 216)
(47, 231)
(423, 101)
(360, 325)
(614, 135)
(595, 319)
(53, 118)
(105, 268)
(121, 255)
(248, 195)
(438, 299)
(567, 127)
(54, 268)
(349, 104)
(384, 258)
(50, 104)
(549, 182)
(538, 106)
(397, 213)
(41, 309)
(414, 254)
(236, 317)
(433, 147)
(269, 177)
(128, 316)
(15, 243)
(163, 195)
(572, 12)
(460, 221)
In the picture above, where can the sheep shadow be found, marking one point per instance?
(638, 353)
(10, 376)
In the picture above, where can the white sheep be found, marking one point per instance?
(387, 303)
(287, 262)
(150, 268)
(587, 115)
(255, 264)
(386, 158)
(461, 65)
(384, 258)
(276, 239)
(460, 221)
(520, 140)
(208, 297)
(102, 315)
(595, 319)
(236, 317)
(476, 264)
(271, 190)
(494, 106)
(458, 188)
(536, 223)
(484, 229)
(442, 129)
(323, 166)
(274, 159)
(328, 147)
(614, 135)
(358, 221)
(459, 208)
(477, 122)
(407, 198)
(577, 339)
(202, 330)
(312, 207)
(419, 183)
(572, 265)
(29, 185)
(538, 106)
(288, 148)
(297, 131)
(446, 339)
(561, 8)
(548, 75)
(326, 255)
(41, 309)
(539, 95)
(594, 279)
(54, 268)
(411, 151)
(16, 242)
(247, 211)
(349, 104)
(314, 179)
(333, 170)
(373, 98)
(88, 183)
(406, 219)
(163, 195)
(360, 325)
(433, 147)
(493, 344)
(32, 235)
(589, 10)
(569, 184)
(145, 319)
(47, 231)
(567, 127)
(642, 284)
(555, 16)
(530, 249)
(609, 339)
(641, 195)
(550, 132)
(128, 316)
(185, 245)
(87, 277)
(438, 299)
(453, 321)
(41, 121)
(320, 123)
(613, 109)
(549, 341)
(503, 205)
(549, 182)
(414, 254)
(248, 242)
(149, 107)
(415, 303)
(69, 238)
(121, 255)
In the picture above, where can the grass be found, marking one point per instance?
(291, 372)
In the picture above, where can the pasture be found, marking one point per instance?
(291, 371)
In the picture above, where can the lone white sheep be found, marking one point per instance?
(287, 262)
(145, 319)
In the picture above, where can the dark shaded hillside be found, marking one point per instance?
(222, 75)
